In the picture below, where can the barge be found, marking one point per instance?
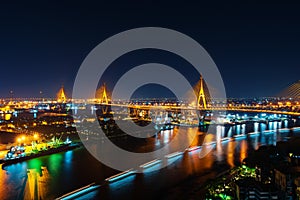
(17, 154)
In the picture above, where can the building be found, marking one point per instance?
(284, 182)
(250, 189)
(297, 187)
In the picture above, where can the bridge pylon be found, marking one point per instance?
(101, 95)
(104, 98)
(201, 99)
(61, 95)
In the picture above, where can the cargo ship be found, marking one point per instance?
(18, 154)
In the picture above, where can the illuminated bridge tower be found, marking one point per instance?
(201, 99)
(61, 95)
(104, 99)
(101, 95)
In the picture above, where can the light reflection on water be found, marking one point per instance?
(243, 150)
(256, 126)
(13, 177)
(74, 169)
(230, 153)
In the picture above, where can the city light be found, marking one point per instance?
(230, 131)
(36, 136)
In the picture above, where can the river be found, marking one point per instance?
(64, 172)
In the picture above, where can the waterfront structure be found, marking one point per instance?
(254, 190)
(102, 95)
(61, 95)
(292, 91)
(201, 96)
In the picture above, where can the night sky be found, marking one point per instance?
(255, 46)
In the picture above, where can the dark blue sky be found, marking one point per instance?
(255, 45)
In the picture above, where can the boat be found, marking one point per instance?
(22, 156)
(164, 127)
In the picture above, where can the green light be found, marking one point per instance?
(35, 163)
(223, 196)
(56, 160)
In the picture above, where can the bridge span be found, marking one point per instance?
(208, 109)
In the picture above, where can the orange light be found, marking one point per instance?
(35, 136)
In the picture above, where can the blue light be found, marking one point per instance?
(240, 137)
(79, 192)
(296, 129)
(120, 183)
(68, 156)
(150, 164)
(152, 168)
(68, 141)
(175, 154)
(195, 148)
(253, 134)
(284, 130)
(225, 140)
(269, 132)
(120, 176)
